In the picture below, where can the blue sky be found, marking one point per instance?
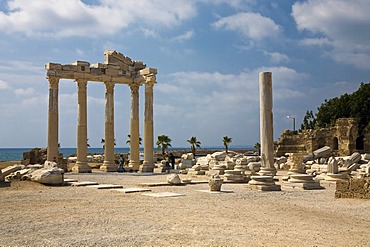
(208, 54)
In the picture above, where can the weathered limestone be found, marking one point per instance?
(332, 166)
(215, 183)
(53, 119)
(319, 153)
(234, 176)
(117, 69)
(353, 188)
(49, 176)
(150, 78)
(81, 165)
(265, 181)
(296, 164)
(108, 164)
(354, 158)
(174, 179)
(134, 162)
(302, 181)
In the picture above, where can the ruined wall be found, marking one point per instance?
(341, 138)
(354, 188)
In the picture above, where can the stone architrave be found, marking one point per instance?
(81, 165)
(108, 164)
(134, 162)
(53, 115)
(148, 164)
(265, 181)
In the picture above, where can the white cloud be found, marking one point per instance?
(277, 57)
(251, 25)
(4, 85)
(341, 24)
(316, 41)
(24, 91)
(185, 36)
(65, 18)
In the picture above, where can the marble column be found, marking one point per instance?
(266, 124)
(265, 180)
(81, 165)
(148, 164)
(52, 150)
(134, 163)
(108, 164)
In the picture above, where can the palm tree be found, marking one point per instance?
(163, 142)
(88, 145)
(103, 142)
(258, 147)
(194, 144)
(226, 140)
(129, 139)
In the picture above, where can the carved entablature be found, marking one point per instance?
(116, 68)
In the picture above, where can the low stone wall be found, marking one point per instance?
(353, 188)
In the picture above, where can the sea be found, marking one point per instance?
(13, 154)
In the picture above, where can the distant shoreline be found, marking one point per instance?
(16, 154)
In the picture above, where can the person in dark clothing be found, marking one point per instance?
(171, 160)
(121, 163)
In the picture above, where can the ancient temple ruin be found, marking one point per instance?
(116, 69)
(343, 139)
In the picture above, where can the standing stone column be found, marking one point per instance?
(148, 165)
(265, 181)
(266, 124)
(134, 129)
(81, 165)
(52, 151)
(108, 164)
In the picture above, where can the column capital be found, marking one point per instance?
(134, 87)
(53, 82)
(109, 87)
(82, 84)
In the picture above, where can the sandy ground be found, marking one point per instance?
(32, 214)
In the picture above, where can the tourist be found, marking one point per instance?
(121, 163)
(171, 160)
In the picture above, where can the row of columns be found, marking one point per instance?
(108, 164)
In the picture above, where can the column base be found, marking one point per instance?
(108, 167)
(267, 171)
(296, 171)
(134, 165)
(81, 167)
(263, 183)
(147, 167)
(302, 182)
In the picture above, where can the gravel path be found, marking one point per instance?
(36, 215)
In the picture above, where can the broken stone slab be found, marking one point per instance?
(318, 153)
(155, 184)
(84, 183)
(10, 169)
(105, 186)
(354, 158)
(216, 192)
(163, 194)
(18, 174)
(173, 179)
(132, 190)
(69, 180)
(53, 176)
